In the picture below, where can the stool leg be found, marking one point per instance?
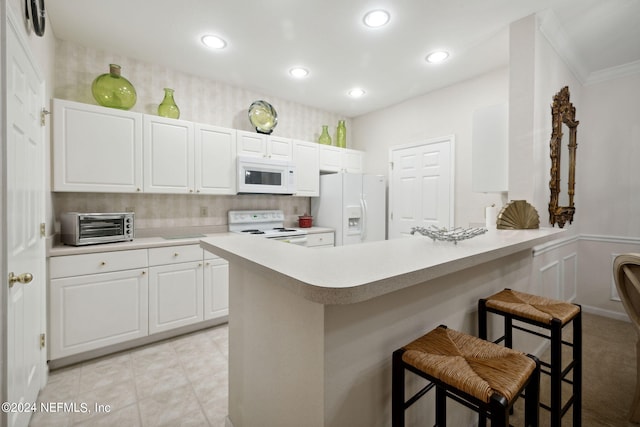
(482, 319)
(499, 411)
(397, 389)
(532, 397)
(508, 332)
(577, 369)
(441, 407)
(556, 373)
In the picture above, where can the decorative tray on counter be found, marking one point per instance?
(453, 235)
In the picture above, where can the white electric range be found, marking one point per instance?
(265, 223)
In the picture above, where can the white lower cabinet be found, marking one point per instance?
(100, 299)
(175, 296)
(91, 311)
(216, 287)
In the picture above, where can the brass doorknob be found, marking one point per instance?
(23, 278)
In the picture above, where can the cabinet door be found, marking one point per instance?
(97, 310)
(307, 161)
(216, 288)
(330, 158)
(175, 296)
(168, 155)
(279, 148)
(96, 149)
(215, 161)
(251, 144)
(352, 160)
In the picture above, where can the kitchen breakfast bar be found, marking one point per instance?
(312, 330)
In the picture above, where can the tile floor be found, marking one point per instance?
(182, 381)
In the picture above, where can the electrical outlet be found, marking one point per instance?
(129, 209)
(204, 211)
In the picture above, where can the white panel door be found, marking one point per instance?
(24, 244)
(175, 296)
(216, 288)
(96, 149)
(215, 160)
(279, 148)
(307, 161)
(421, 186)
(168, 155)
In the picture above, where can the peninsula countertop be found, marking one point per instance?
(355, 273)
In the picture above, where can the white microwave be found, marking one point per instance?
(265, 176)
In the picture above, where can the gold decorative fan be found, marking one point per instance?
(518, 215)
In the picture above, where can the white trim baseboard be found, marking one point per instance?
(605, 313)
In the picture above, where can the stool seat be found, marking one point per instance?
(477, 367)
(533, 307)
(485, 377)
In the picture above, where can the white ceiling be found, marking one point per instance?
(268, 37)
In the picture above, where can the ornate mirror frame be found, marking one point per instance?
(562, 113)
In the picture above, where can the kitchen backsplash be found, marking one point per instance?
(177, 210)
(200, 100)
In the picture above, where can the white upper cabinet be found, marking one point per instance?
(169, 153)
(352, 160)
(215, 163)
(96, 149)
(259, 145)
(99, 149)
(307, 160)
(336, 159)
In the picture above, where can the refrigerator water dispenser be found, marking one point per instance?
(354, 219)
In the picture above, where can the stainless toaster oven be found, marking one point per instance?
(77, 229)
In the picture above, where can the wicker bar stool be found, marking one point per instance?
(553, 316)
(483, 376)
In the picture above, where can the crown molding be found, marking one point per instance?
(552, 30)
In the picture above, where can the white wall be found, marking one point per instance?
(607, 219)
(442, 112)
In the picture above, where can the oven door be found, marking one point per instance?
(265, 176)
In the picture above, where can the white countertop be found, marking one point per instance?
(173, 237)
(354, 273)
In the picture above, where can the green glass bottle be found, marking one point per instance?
(168, 107)
(341, 135)
(324, 136)
(114, 91)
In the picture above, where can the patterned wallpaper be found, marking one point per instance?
(200, 100)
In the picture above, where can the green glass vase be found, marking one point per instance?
(324, 136)
(168, 107)
(114, 91)
(341, 134)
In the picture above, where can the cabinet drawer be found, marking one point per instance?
(175, 254)
(320, 239)
(103, 262)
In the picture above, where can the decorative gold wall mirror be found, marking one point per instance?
(563, 159)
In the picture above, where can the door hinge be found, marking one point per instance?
(43, 229)
(391, 216)
(391, 165)
(43, 340)
(43, 115)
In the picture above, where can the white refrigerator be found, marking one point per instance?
(352, 204)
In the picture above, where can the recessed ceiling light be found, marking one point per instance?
(213, 42)
(437, 56)
(356, 92)
(299, 72)
(376, 18)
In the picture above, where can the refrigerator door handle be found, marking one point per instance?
(363, 226)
